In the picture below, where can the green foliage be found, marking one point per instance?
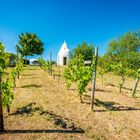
(84, 49)
(12, 58)
(132, 65)
(133, 60)
(124, 49)
(79, 73)
(54, 63)
(29, 44)
(123, 56)
(103, 67)
(3, 58)
(19, 66)
(129, 42)
(13, 76)
(7, 94)
(16, 71)
(133, 73)
(7, 86)
(45, 65)
(118, 69)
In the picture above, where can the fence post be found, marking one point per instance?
(50, 64)
(58, 73)
(1, 109)
(94, 79)
(135, 86)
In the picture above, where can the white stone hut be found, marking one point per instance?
(63, 56)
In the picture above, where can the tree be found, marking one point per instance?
(122, 48)
(87, 50)
(123, 54)
(103, 67)
(29, 44)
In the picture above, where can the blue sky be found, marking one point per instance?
(76, 21)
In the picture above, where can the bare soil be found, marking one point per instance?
(44, 109)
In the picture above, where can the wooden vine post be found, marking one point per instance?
(50, 64)
(58, 68)
(94, 79)
(17, 52)
(1, 109)
(135, 86)
(58, 73)
(17, 57)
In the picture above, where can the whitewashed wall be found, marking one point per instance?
(63, 52)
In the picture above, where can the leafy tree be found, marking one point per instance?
(29, 44)
(103, 67)
(87, 50)
(123, 54)
(123, 48)
(133, 60)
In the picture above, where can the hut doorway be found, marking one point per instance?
(64, 60)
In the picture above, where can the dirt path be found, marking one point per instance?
(44, 109)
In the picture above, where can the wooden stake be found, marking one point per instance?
(17, 53)
(58, 73)
(135, 86)
(1, 109)
(94, 79)
(50, 64)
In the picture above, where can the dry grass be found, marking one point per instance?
(43, 109)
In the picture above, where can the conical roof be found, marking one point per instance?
(64, 49)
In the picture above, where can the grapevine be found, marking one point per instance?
(79, 73)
